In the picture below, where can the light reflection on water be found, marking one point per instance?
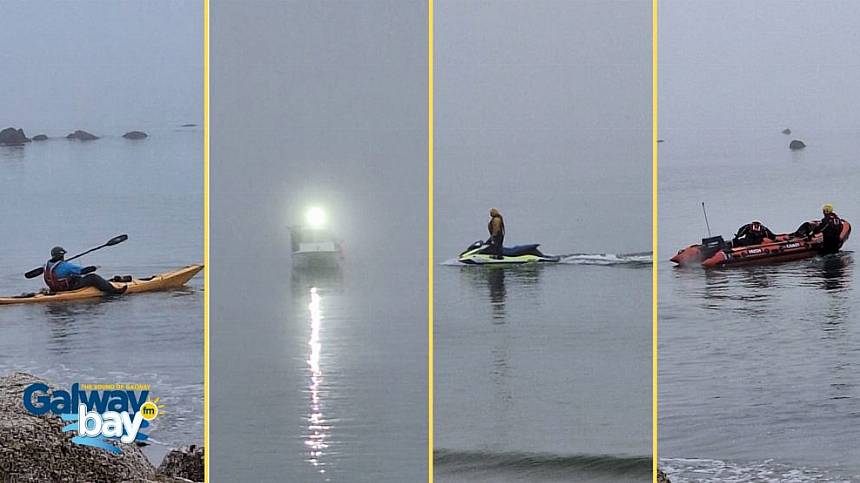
(523, 280)
(491, 284)
(314, 288)
(318, 428)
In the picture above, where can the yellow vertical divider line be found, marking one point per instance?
(207, 449)
(430, 241)
(654, 240)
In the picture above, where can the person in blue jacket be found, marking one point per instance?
(62, 276)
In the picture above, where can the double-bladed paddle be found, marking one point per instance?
(113, 241)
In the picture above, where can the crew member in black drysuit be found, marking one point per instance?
(752, 233)
(62, 276)
(496, 227)
(831, 226)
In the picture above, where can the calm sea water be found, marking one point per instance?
(323, 376)
(758, 365)
(78, 195)
(543, 373)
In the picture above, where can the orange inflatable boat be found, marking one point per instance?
(716, 252)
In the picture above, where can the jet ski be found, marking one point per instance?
(716, 252)
(479, 253)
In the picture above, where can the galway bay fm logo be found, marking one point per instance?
(97, 413)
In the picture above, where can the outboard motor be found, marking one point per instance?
(712, 245)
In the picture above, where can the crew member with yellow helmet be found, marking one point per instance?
(831, 226)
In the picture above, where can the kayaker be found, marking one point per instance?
(753, 233)
(62, 276)
(496, 227)
(831, 226)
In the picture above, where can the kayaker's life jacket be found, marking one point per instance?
(56, 284)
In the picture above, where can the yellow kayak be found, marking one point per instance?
(164, 281)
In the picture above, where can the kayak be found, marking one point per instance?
(714, 252)
(163, 281)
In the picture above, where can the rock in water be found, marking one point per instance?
(796, 144)
(40, 137)
(34, 448)
(183, 463)
(135, 135)
(188, 125)
(82, 136)
(13, 137)
(661, 477)
(786, 131)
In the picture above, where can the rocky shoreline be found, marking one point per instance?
(34, 448)
(15, 136)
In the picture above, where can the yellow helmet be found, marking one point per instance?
(827, 209)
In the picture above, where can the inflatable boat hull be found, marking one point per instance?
(785, 248)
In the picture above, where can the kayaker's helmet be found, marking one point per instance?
(57, 252)
(827, 209)
(756, 225)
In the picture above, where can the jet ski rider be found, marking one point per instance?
(752, 233)
(62, 276)
(831, 226)
(496, 227)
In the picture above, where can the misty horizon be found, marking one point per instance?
(100, 66)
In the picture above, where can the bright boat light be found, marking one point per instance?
(315, 217)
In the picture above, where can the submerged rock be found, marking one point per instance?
(796, 144)
(786, 131)
(34, 448)
(82, 136)
(40, 137)
(183, 463)
(13, 137)
(661, 477)
(188, 125)
(135, 135)
(660, 141)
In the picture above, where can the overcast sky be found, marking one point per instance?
(750, 64)
(100, 64)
